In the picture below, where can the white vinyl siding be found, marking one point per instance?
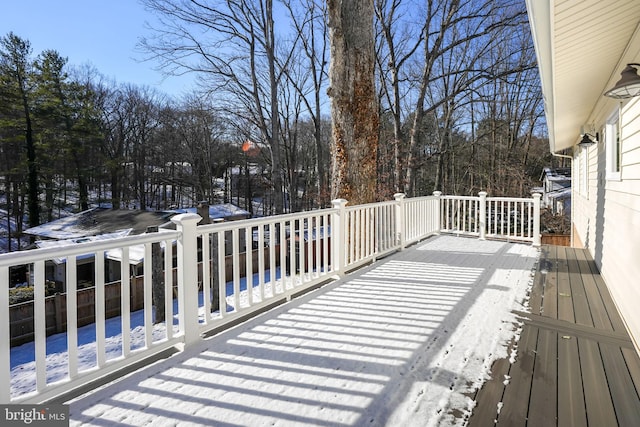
(615, 215)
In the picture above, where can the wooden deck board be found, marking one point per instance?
(544, 398)
(564, 300)
(488, 398)
(578, 296)
(516, 398)
(567, 328)
(599, 311)
(550, 298)
(575, 364)
(598, 402)
(633, 364)
(537, 288)
(612, 312)
(623, 391)
(571, 409)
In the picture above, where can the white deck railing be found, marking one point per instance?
(228, 271)
(507, 218)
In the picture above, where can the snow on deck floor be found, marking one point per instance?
(396, 343)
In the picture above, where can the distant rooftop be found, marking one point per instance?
(226, 211)
(556, 174)
(97, 221)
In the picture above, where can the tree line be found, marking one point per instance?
(456, 89)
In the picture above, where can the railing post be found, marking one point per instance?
(482, 226)
(187, 253)
(401, 232)
(338, 233)
(536, 219)
(438, 216)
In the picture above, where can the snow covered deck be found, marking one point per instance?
(403, 341)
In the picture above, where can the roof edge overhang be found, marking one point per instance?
(540, 21)
(581, 47)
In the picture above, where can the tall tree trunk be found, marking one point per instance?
(354, 109)
(32, 167)
(115, 188)
(277, 170)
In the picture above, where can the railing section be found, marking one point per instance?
(460, 215)
(156, 336)
(248, 265)
(420, 217)
(506, 218)
(199, 278)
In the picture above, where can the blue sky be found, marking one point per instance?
(103, 33)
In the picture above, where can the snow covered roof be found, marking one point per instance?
(564, 193)
(556, 174)
(97, 221)
(67, 242)
(101, 224)
(221, 211)
(136, 254)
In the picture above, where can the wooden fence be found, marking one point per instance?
(21, 316)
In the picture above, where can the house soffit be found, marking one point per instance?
(586, 48)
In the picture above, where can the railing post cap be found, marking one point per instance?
(186, 218)
(537, 195)
(437, 193)
(399, 196)
(339, 203)
(482, 194)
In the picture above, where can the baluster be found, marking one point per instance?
(235, 250)
(100, 309)
(168, 287)
(72, 315)
(248, 238)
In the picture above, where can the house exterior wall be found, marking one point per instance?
(606, 214)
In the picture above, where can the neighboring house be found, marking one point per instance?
(556, 190)
(102, 223)
(91, 225)
(222, 211)
(582, 47)
(94, 222)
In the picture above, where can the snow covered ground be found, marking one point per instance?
(7, 225)
(400, 342)
(23, 378)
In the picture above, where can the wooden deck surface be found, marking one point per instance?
(575, 363)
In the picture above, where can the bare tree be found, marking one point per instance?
(307, 73)
(354, 104)
(432, 73)
(200, 134)
(231, 44)
(508, 115)
(397, 44)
